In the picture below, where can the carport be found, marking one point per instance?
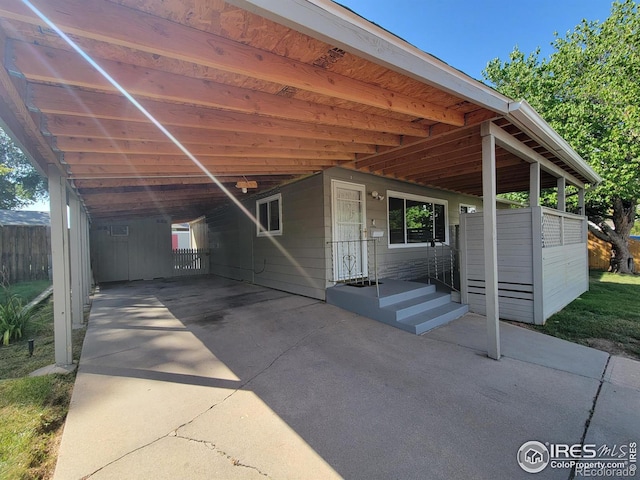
(134, 109)
(211, 378)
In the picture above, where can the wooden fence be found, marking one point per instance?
(26, 253)
(600, 253)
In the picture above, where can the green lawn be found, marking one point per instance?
(32, 409)
(606, 317)
(29, 290)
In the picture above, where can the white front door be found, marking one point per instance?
(349, 230)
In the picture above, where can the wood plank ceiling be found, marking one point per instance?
(251, 99)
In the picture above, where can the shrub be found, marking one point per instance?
(13, 318)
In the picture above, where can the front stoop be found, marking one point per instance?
(411, 306)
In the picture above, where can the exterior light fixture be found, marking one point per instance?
(377, 196)
(245, 185)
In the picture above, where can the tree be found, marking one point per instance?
(588, 91)
(20, 183)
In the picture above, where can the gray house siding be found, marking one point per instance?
(230, 243)
(143, 253)
(297, 265)
(400, 263)
(302, 263)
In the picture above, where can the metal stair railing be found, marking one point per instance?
(442, 264)
(344, 255)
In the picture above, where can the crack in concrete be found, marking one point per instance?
(587, 423)
(123, 456)
(244, 384)
(283, 353)
(212, 446)
(174, 432)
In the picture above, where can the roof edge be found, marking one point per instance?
(332, 23)
(526, 117)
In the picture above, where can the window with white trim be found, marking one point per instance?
(269, 215)
(416, 220)
(464, 208)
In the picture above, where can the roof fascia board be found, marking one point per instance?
(525, 117)
(328, 21)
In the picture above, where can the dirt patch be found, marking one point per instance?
(609, 346)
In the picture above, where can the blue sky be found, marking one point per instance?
(466, 34)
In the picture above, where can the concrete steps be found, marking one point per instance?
(411, 306)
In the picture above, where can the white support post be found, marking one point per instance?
(60, 263)
(490, 243)
(581, 208)
(77, 280)
(86, 259)
(534, 184)
(464, 284)
(562, 198)
(538, 287)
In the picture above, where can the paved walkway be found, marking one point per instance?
(207, 378)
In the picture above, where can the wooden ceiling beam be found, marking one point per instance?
(142, 202)
(433, 165)
(432, 156)
(444, 162)
(123, 213)
(469, 168)
(159, 161)
(457, 139)
(110, 199)
(510, 178)
(54, 66)
(252, 170)
(88, 127)
(158, 190)
(18, 120)
(124, 147)
(132, 171)
(119, 25)
(114, 183)
(69, 101)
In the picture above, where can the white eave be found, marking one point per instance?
(525, 117)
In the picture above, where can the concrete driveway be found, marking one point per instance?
(206, 378)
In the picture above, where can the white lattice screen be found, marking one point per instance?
(551, 231)
(573, 231)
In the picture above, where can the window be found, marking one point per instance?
(119, 230)
(269, 215)
(415, 220)
(467, 208)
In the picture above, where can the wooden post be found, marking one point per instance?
(60, 263)
(490, 241)
(534, 184)
(562, 202)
